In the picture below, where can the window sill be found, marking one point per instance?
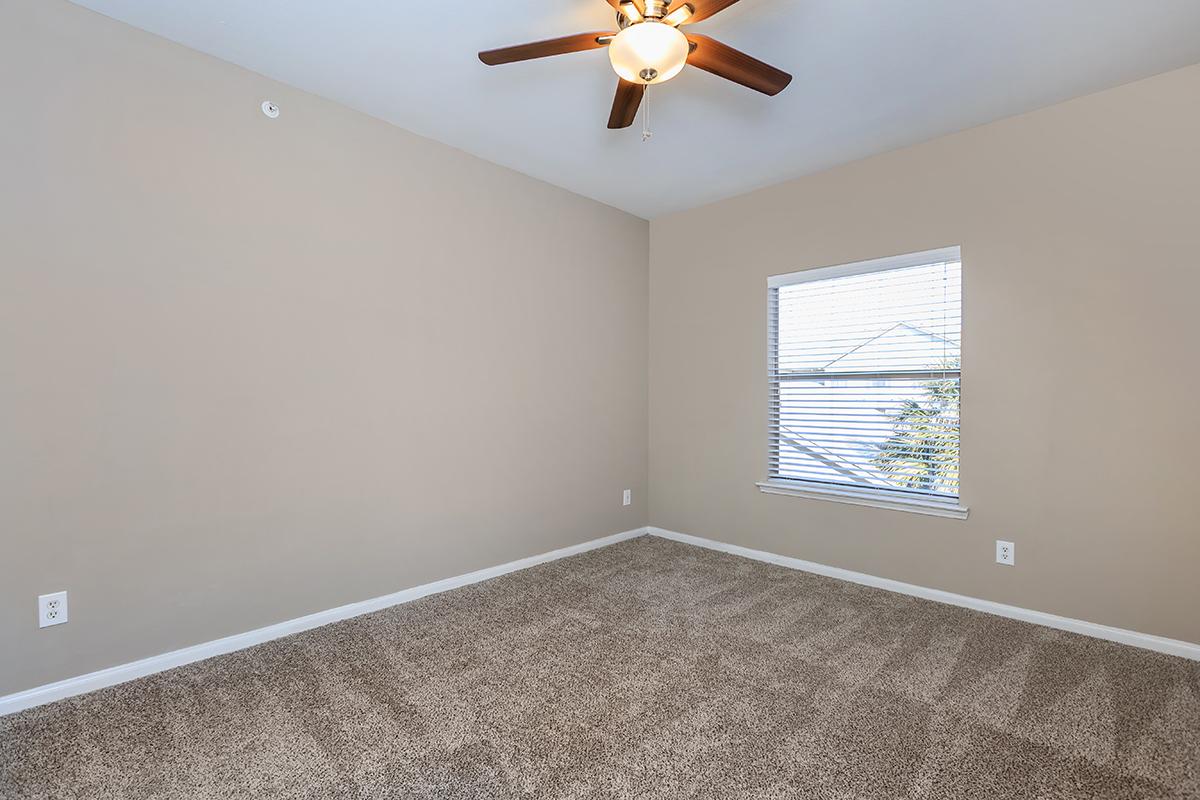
(865, 497)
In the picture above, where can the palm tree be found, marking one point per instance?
(922, 452)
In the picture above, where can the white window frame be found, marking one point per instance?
(854, 495)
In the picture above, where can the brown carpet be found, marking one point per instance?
(648, 669)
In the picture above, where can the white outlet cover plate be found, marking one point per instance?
(627, 497)
(52, 609)
(1006, 553)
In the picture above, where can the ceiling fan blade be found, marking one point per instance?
(625, 104)
(679, 16)
(720, 59)
(549, 47)
(701, 9)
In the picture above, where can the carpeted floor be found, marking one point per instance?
(648, 669)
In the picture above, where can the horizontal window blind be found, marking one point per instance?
(864, 375)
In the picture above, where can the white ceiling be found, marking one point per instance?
(870, 76)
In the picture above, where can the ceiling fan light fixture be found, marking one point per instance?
(648, 52)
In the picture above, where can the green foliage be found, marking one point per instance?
(922, 452)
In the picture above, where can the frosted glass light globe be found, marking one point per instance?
(648, 52)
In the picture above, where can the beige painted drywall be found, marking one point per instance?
(1080, 234)
(253, 369)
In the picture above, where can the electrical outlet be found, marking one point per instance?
(627, 497)
(52, 609)
(1006, 553)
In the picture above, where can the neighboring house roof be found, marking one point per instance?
(924, 347)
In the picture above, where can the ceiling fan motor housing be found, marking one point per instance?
(656, 9)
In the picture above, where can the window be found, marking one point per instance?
(864, 382)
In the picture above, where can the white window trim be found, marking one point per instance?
(853, 495)
(863, 267)
(875, 498)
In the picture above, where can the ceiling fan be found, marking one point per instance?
(649, 48)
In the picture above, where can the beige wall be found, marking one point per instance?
(252, 369)
(1080, 234)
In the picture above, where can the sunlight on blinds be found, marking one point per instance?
(864, 376)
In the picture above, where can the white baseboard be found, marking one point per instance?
(1147, 641)
(177, 658)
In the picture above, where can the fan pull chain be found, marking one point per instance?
(646, 132)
